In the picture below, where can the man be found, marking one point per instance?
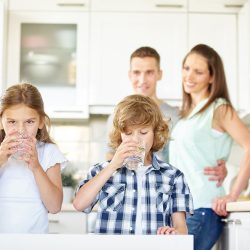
(144, 74)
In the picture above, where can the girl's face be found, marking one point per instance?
(196, 77)
(140, 134)
(20, 118)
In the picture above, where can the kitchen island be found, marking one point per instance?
(94, 242)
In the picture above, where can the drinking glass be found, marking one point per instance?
(136, 160)
(21, 150)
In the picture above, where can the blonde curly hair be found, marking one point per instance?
(138, 110)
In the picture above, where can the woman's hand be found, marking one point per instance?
(166, 230)
(219, 205)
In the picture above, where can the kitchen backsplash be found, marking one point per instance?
(83, 143)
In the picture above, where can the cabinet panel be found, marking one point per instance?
(219, 6)
(139, 5)
(50, 5)
(2, 22)
(236, 232)
(244, 59)
(220, 32)
(114, 36)
(67, 222)
(47, 49)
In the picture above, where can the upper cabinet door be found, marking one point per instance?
(139, 5)
(2, 42)
(114, 36)
(215, 6)
(220, 32)
(49, 5)
(244, 59)
(50, 50)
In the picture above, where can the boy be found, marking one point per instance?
(154, 198)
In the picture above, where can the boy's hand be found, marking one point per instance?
(166, 230)
(217, 173)
(125, 149)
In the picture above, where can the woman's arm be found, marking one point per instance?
(231, 123)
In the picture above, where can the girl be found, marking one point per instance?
(152, 199)
(30, 183)
(203, 135)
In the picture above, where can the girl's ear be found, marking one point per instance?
(1, 125)
(42, 123)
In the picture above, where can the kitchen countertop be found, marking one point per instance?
(94, 242)
(239, 206)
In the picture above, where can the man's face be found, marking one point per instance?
(144, 74)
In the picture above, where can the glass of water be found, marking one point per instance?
(136, 160)
(21, 150)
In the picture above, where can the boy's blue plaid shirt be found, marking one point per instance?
(165, 192)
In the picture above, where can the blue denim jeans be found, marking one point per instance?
(206, 227)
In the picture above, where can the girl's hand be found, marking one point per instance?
(125, 149)
(166, 230)
(9, 146)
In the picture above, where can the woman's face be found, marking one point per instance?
(196, 77)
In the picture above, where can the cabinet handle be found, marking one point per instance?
(69, 111)
(233, 5)
(53, 221)
(71, 4)
(237, 222)
(227, 220)
(162, 5)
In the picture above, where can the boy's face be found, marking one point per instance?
(144, 74)
(138, 133)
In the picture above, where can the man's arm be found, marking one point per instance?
(217, 173)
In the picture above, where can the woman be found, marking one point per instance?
(205, 133)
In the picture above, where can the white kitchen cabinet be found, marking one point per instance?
(115, 35)
(48, 5)
(215, 6)
(236, 232)
(244, 59)
(2, 41)
(68, 221)
(220, 32)
(50, 49)
(139, 5)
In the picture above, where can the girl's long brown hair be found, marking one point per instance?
(27, 94)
